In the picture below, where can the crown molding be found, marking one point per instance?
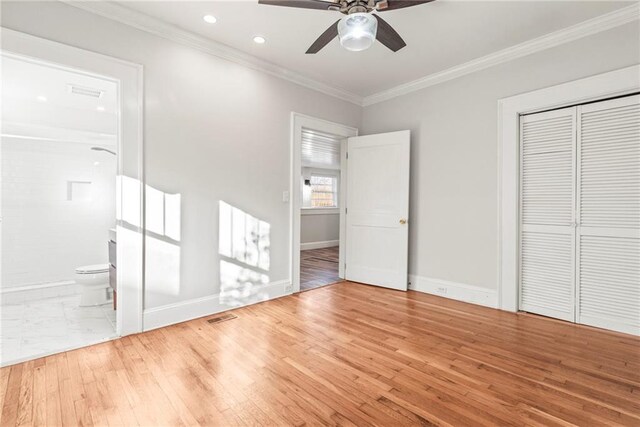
(171, 32)
(592, 26)
(141, 21)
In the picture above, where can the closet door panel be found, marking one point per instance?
(547, 273)
(609, 294)
(547, 238)
(608, 246)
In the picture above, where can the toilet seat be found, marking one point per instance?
(93, 269)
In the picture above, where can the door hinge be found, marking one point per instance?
(345, 266)
(347, 153)
(346, 210)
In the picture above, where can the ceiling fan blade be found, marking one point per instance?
(303, 4)
(399, 4)
(329, 34)
(388, 36)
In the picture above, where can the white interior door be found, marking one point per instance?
(377, 230)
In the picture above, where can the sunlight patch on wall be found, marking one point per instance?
(243, 237)
(238, 284)
(244, 242)
(162, 213)
(162, 231)
(128, 202)
(163, 266)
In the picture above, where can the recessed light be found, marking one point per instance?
(100, 108)
(259, 39)
(41, 98)
(209, 19)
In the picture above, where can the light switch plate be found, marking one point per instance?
(285, 197)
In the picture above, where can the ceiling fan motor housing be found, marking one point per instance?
(357, 31)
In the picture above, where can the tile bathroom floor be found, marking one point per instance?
(40, 327)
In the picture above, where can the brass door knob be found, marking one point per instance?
(403, 221)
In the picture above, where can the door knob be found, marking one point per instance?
(403, 221)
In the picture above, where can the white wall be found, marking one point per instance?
(45, 236)
(319, 227)
(454, 170)
(214, 131)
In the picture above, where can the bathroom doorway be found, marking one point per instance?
(126, 80)
(58, 150)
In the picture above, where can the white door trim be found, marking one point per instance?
(130, 186)
(615, 83)
(299, 121)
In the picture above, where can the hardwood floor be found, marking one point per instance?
(343, 354)
(318, 267)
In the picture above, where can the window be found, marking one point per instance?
(324, 191)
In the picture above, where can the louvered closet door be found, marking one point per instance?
(547, 232)
(608, 265)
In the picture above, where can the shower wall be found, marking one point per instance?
(58, 203)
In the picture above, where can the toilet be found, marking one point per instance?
(94, 284)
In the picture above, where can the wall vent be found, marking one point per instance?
(85, 91)
(221, 318)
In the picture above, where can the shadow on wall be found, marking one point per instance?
(244, 242)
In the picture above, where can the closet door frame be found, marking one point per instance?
(615, 83)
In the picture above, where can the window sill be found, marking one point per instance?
(319, 211)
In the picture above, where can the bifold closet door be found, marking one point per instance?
(608, 205)
(547, 229)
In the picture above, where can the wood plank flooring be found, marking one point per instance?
(318, 267)
(344, 354)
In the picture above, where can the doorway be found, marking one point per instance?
(59, 159)
(373, 173)
(318, 201)
(320, 213)
(71, 123)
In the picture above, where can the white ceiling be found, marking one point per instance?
(439, 35)
(36, 103)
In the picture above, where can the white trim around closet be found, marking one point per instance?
(607, 85)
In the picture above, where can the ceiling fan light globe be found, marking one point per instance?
(357, 31)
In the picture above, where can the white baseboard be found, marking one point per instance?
(319, 245)
(457, 291)
(21, 294)
(182, 311)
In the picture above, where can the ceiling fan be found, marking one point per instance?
(360, 27)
